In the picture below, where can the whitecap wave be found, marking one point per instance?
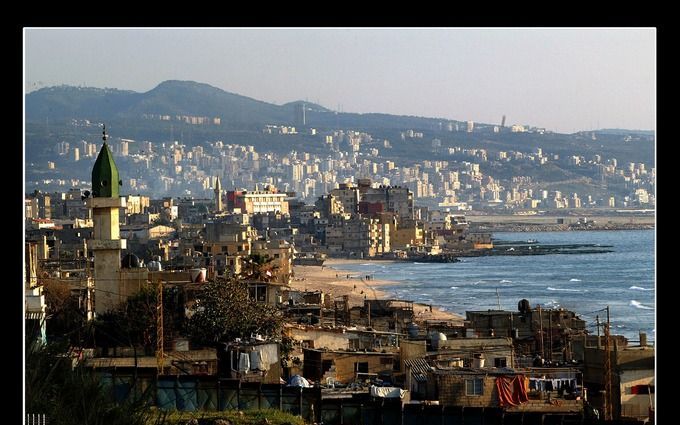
(454, 287)
(638, 304)
(574, 280)
(506, 281)
(550, 288)
(639, 288)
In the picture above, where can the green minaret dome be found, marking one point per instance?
(105, 181)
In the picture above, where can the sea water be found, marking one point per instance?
(624, 279)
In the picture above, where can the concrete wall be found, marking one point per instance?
(452, 391)
(321, 339)
(344, 364)
(411, 350)
(635, 405)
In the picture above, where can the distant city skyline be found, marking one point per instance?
(564, 80)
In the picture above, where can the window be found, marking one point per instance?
(500, 362)
(361, 367)
(257, 293)
(473, 387)
(641, 389)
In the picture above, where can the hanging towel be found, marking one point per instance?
(511, 390)
(256, 360)
(243, 362)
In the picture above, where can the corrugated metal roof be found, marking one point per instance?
(419, 368)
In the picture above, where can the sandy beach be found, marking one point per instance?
(331, 278)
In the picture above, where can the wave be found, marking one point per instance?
(639, 288)
(637, 304)
(454, 287)
(550, 288)
(506, 281)
(415, 262)
(574, 280)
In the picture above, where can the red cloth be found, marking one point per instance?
(511, 390)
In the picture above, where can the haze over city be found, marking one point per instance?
(564, 80)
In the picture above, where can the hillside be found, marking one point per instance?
(53, 113)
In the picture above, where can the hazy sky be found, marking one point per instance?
(563, 79)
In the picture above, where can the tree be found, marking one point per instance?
(134, 322)
(67, 318)
(223, 311)
(257, 266)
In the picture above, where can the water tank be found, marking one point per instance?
(523, 306)
(413, 330)
(436, 338)
(478, 360)
(456, 362)
(154, 266)
(130, 261)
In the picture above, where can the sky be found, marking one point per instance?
(561, 79)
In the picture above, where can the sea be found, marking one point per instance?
(624, 279)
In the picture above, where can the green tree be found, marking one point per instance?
(224, 311)
(134, 323)
(256, 267)
(68, 319)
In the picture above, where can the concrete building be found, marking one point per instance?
(348, 196)
(347, 366)
(258, 201)
(358, 237)
(395, 199)
(633, 395)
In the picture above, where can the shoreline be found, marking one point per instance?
(333, 279)
(536, 228)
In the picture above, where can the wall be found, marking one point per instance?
(321, 339)
(635, 405)
(452, 391)
(411, 350)
(344, 364)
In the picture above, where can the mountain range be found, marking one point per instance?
(193, 99)
(52, 113)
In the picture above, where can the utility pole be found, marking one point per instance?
(159, 327)
(607, 372)
(550, 343)
(540, 320)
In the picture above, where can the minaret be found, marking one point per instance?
(218, 195)
(106, 242)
